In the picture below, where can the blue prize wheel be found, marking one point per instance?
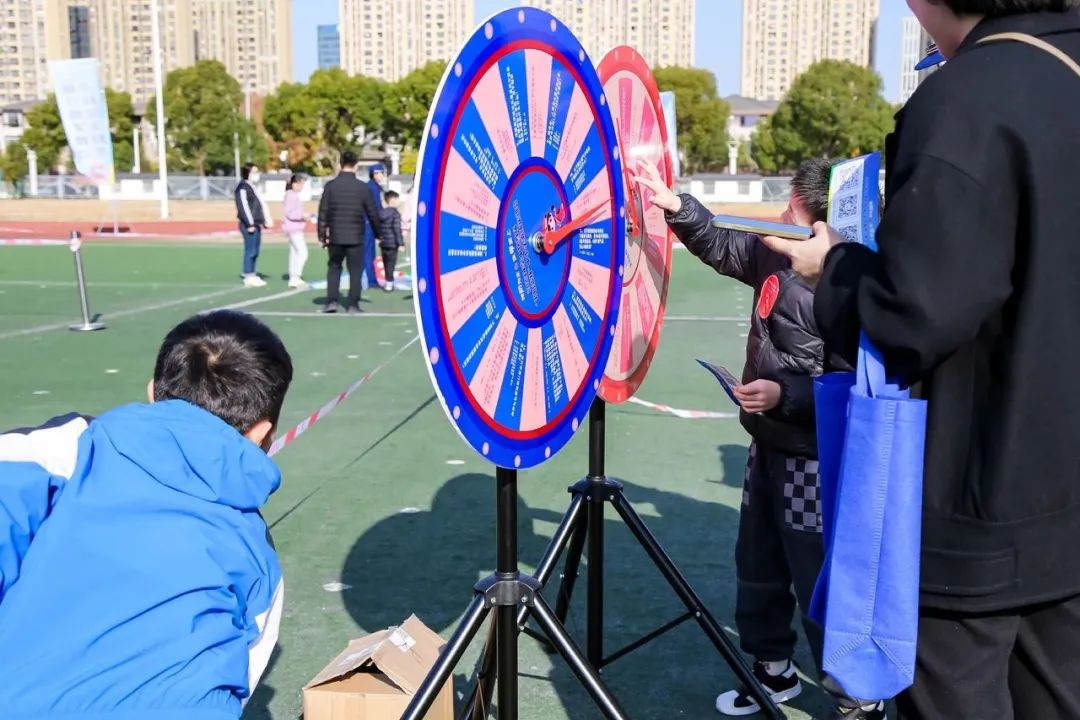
(519, 238)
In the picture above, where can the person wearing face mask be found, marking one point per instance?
(254, 217)
(779, 546)
(970, 301)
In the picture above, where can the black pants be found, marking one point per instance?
(353, 255)
(389, 259)
(1019, 664)
(779, 549)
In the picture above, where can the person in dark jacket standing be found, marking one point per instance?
(253, 217)
(971, 299)
(391, 239)
(346, 212)
(376, 180)
(780, 544)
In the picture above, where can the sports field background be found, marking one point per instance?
(384, 511)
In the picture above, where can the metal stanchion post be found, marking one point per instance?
(85, 325)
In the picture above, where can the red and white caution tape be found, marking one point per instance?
(325, 410)
(685, 414)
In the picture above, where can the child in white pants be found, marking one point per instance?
(294, 225)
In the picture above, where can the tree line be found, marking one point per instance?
(834, 109)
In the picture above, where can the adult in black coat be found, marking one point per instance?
(345, 211)
(972, 298)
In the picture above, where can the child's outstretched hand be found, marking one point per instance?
(662, 196)
(758, 396)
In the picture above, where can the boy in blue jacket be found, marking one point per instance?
(144, 583)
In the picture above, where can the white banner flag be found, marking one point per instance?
(81, 100)
(667, 99)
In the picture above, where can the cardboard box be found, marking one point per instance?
(375, 677)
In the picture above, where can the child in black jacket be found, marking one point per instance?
(779, 546)
(391, 238)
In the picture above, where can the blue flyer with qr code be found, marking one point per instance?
(724, 376)
(854, 197)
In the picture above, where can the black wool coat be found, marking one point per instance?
(345, 210)
(974, 297)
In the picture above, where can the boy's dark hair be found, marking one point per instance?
(245, 170)
(389, 195)
(811, 184)
(995, 8)
(228, 363)
(349, 159)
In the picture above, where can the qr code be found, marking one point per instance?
(851, 182)
(850, 232)
(847, 207)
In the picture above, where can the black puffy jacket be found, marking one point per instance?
(783, 344)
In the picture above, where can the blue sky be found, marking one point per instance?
(721, 18)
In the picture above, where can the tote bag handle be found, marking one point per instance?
(870, 377)
(1037, 43)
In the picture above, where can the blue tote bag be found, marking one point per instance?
(871, 443)
(853, 211)
(867, 596)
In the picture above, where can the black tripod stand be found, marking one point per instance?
(585, 520)
(503, 594)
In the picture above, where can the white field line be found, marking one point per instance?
(124, 313)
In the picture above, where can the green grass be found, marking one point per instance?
(338, 516)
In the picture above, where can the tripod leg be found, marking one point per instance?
(566, 532)
(693, 603)
(594, 633)
(485, 681)
(570, 569)
(486, 675)
(448, 658)
(581, 667)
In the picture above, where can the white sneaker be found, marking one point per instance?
(298, 284)
(253, 281)
(782, 686)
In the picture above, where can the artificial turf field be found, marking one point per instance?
(383, 510)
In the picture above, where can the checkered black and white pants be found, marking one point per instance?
(778, 554)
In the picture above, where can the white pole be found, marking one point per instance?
(31, 160)
(163, 173)
(236, 154)
(136, 167)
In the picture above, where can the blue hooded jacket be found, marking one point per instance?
(146, 585)
(370, 241)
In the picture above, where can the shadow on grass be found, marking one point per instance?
(427, 562)
(733, 460)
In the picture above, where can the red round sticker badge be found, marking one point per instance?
(769, 292)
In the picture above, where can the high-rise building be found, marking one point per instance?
(782, 38)
(661, 30)
(253, 38)
(79, 30)
(388, 40)
(118, 34)
(329, 47)
(914, 42)
(24, 72)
